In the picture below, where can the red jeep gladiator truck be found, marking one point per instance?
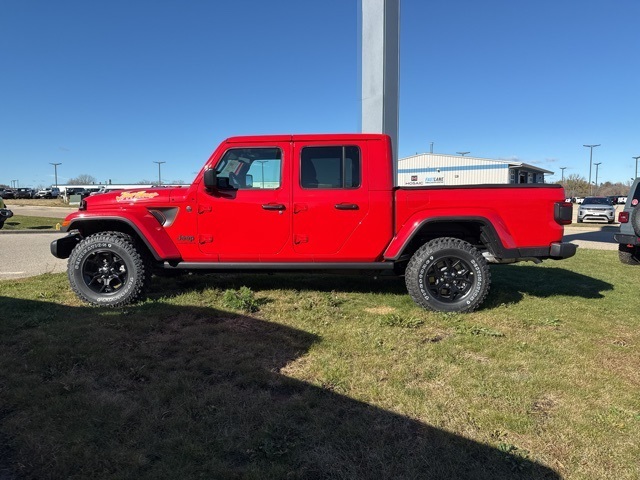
(312, 203)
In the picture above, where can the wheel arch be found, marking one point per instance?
(478, 231)
(90, 226)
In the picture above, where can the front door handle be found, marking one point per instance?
(273, 206)
(347, 206)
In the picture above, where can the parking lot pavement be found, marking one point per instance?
(26, 255)
(593, 237)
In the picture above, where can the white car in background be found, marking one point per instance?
(48, 193)
(596, 209)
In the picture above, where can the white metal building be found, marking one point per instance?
(437, 169)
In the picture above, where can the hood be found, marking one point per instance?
(138, 196)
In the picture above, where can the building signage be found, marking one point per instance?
(434, 180)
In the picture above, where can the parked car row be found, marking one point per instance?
(53, 192)
(614, 199)
(25, 192)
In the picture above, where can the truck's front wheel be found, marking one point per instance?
(106, 269)
(448, 275)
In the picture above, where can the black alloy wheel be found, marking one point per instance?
(448, 275)
(106, 269)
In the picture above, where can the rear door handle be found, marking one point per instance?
(273, 206)
(347, 206)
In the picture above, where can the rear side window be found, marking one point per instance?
(330, 167)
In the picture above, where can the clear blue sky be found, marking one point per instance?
(108, 87)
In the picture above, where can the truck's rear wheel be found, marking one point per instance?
(106, 269)
(629, 255)
(448, 275)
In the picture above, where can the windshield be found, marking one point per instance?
(597, 201)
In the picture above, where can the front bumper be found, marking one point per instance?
(62, 247)
(596, 215)
(626, 239)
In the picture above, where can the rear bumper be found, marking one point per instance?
(62, 247)
(626, 239)
(560, 250)
(555, 251)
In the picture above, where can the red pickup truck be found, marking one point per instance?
(312, 203)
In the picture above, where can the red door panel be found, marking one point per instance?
(252, 222)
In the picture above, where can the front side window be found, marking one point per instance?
(256, 168)
(330, 167)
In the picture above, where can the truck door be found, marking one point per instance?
(330, 196)
(251, 220)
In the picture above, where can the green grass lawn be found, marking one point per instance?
(23, 222)
(288, 376)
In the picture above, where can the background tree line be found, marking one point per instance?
(577, 186)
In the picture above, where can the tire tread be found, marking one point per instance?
(434, 246)
(141, 274)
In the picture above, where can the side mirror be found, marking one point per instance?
(213, 182)
(210, 179)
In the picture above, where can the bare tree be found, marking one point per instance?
(83, 179)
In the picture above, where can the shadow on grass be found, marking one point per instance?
(509, 283)
(159, 391)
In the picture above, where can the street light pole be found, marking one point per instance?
(262, 162)
(590, 161)
(596, 164)
(462, 153)
(563, 169)
(636, 159)
(159, 176)
(55, 171)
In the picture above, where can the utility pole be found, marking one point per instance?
(55, 171)
(596, 164)
(262, 162)
(590, 162)
(159, 176)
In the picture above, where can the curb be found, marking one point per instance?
(27, 232)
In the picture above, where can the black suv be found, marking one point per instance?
(629, 236)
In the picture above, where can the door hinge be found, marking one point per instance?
(299, 207)
(298, 239)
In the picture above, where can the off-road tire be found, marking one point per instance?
(629, 255)
(107, 269)
(635, 219)
(448, 275)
